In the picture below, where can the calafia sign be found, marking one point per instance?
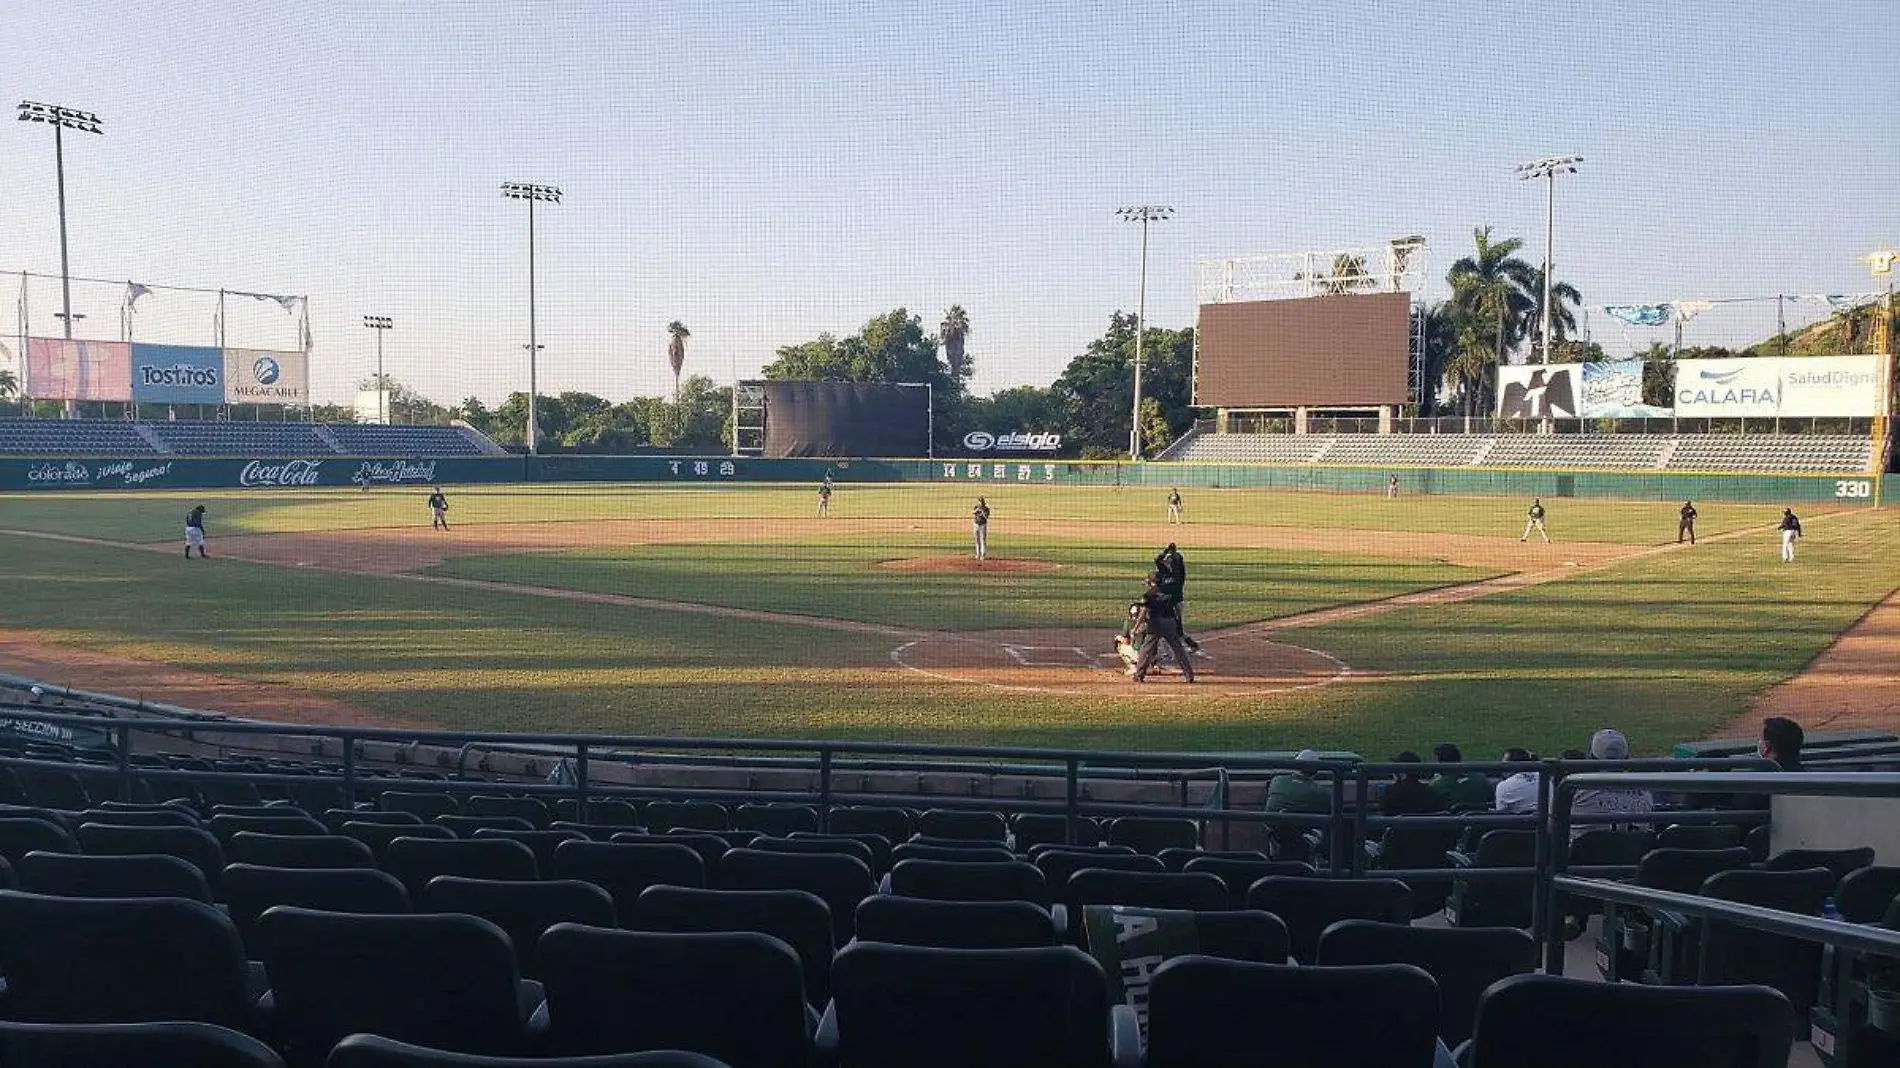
(1014, 441)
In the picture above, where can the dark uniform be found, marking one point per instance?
(824, 497)
(1171, 569)
(1685, 527)
(1164, 625)
(438, 510)
(195, 531)
(1790, 530)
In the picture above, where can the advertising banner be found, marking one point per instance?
(1832, 386)
(58, 369)
(1728, 388)
(177, 374)
(257, 376)
(1539, 391)
(1614, 390)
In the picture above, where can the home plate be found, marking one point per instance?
(1083, 663)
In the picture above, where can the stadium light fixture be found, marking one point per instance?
(532, 193)
(1143, 214)
(62, 119)
(1548, 169)
(382, 325)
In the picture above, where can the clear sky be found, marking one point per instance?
(767, 171)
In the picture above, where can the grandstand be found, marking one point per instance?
(561, 897)
(81, 438)
(1753, 453)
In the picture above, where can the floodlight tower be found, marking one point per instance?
(62, 119)
(1548, 169)
(531, 193)
(1143, 214)
(381, 324)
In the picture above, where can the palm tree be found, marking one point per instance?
(1492, 292)
(954, 328)
(1437, 327)
(1563, 319)
(676, 351)
(1348, 275)
(9, 385)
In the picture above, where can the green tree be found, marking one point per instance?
(891, 348)
(9, 385)
(1437, 326)
(1098, 386)
(473, 412)
(954, 329)
(1491, 290)
(1576, 352)
(1564, 299)
(676, 335)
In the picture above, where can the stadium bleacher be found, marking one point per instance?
(1765, 453)
(99, 437)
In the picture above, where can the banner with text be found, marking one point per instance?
(1539, 391)
(1728, 388)
(1833, 386)
(177, 374)
(1614, 390)
(256, 376)
(58, 369)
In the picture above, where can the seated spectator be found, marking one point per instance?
(1781, 740)
(1410, 795)
(1608, 744)
(1463, 788)
(1518, 792)
(1297, 792)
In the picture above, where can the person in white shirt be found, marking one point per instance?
(1517, 793)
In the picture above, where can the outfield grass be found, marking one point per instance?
(1664, 648)
(159, 515)
(842, 580)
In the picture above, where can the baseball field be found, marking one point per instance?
(1342, 621)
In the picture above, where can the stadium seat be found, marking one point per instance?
(223, 827)
(1757, 842)
(1057, 865)
(962, 825)
(1494, 902)
(735, 839)
(1464, 962)
(916, 1007)
(1699, 836)
(878, 845)
(189, 844)
(466, 826)
(424, 805)
(601, 812)
(1411, 848)
(950, 880)
(417, 860)
(1239, 874)
(1030, 829)
(541, 843)
(250, 890)
(1230, 934)
(664, 816)
(953, 854)
(524, 910)
(849, 847)
(273, 808)
(709, 846)
(532, 809)
(1089, 850)
(1176, 859)
(1188, 891)
(298, 851)
(132, 875)
(443, 981)
(370, 1051)
(794, 917)
(378, 836)
(735, 995)
(1152, 835)
(839, 881)
(625, 869)
(894, 825)
(1309, 906)
(1625, 946)
(140, 817)
(70, 960)
(1839, 862)
(146, 1045)
(1545, 1021)
(1731, 955)
(776, 819)
(335, 818)
(18, 837)
(1864, 894)
(916, 921)
(1205, 1012)
(59, 790)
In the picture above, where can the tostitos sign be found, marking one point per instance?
(261, 376)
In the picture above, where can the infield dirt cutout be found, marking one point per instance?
(966, 565)
(1083, 663)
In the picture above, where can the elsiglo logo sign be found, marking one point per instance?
(1014, 441)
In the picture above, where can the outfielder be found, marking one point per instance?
(1685, 526)
(1535, 521)
(980, 528)
(439, 509)
(824, 496)
(1174, 505)
(195, 532)
(1790, 530)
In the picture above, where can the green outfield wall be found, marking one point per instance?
(238, 473)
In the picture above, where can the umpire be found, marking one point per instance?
(1164, 625)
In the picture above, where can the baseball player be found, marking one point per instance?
(439, 510)
(824, 496)
(1535, 521)
(1685, 526)
(1163, 626)
(1174, 505)
(195, 532)
(980, 528)
(1790, 530)
(1134, 631)
(1391, 487)
(1171, 569)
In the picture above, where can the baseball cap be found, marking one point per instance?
(1609, 744)
(1306, 756)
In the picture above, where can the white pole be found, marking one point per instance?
(382, 384)
(1550, 201)
(1141, 328)
(534, 347)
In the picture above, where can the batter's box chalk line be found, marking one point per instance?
(1049, 655)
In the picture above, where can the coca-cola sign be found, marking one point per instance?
(282, 473)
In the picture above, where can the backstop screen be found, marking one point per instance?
(1346, 351)
(846, 419)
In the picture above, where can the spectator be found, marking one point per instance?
(1463, 788)
(1781, 740)
(1518, 792)
(1608, 744)
(1297, 792)
(1410, 795)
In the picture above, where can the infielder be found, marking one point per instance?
(195, 532)
(1535, 521)
(1391, 487)
(1790, 530)
(438, 510)
(1685, 526)
(824, 496)
(1174, 505)
(980, 528)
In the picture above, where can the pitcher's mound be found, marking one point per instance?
(966, 563)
